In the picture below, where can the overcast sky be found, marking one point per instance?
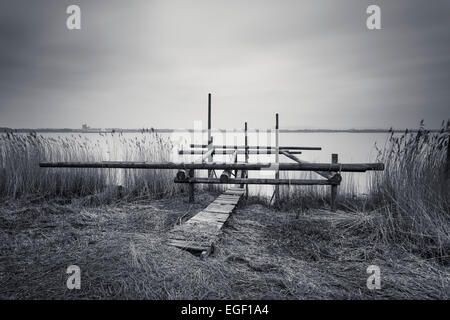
(147, 63)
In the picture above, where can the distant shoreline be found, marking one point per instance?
(120, 130)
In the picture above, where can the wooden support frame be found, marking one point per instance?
(308, 182)
(186, 171)
(231, 151)
(216, 146)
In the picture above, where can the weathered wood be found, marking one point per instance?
(207, 155)
(181, 175)
(334, 188)
(193, 145)
(198, 234)
(260, 181)
(344, 167)
(188, 245)
(328, 175)
(210, 138)
(231, 151)
(226, 174)
(245, 172)
(277, 160)
(191, 187)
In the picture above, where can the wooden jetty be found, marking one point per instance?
(199, 233)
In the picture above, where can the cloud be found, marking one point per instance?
(151, 63)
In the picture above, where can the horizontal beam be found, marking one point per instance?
(231, 151)
(218, 146)
(308, 182)
(344, 167)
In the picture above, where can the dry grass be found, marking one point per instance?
(263, 254)
(50, 219)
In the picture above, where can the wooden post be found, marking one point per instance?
(210, 139)
(245, 173)
(277, 159)
(334, 188)
(191, 187)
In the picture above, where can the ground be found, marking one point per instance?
(262, 254)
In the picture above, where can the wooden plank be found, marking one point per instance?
(199, 233)
(215, 205)
(226, 201)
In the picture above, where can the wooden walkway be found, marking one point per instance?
(199, 233)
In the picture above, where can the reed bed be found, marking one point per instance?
(407, 204)
(20, 174)
(412, 193)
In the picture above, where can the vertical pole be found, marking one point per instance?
(246, 159)
(191, 186)
(210, 139)
(235, 155)
(334, 188)
(277, 160)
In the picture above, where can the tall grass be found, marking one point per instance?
(20, 174)
(412, 192)
(407, 204)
